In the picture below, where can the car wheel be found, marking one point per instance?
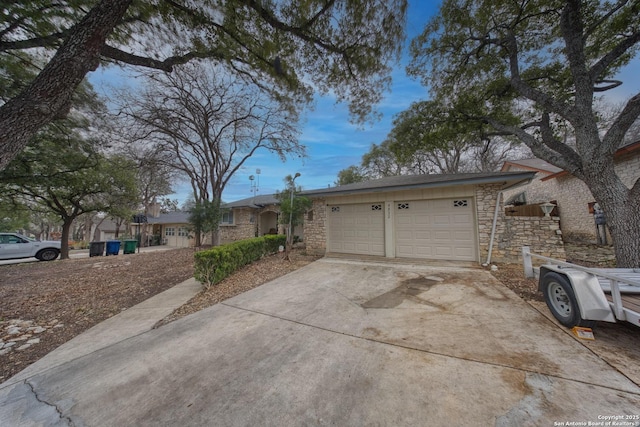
(562, 301)
(47, 254)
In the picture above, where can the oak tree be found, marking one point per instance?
(534, 69)
(289, 48)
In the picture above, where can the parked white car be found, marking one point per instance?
(13, 245)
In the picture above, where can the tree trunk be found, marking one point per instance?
(64, 239)
(96, 232)
(621, 211)
(48, 97)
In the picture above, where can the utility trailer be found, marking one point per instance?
(578, 296)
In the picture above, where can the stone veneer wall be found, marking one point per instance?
(315, 237)
(574, 196)
(242, 227)
(542, 234)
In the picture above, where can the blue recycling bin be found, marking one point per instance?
(113, 247)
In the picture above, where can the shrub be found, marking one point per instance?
(213, 265)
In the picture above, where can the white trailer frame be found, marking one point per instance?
(589, 286)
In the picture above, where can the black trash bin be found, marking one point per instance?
(96, 249)
(113, 247)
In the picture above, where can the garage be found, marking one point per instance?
(356, 228)
(431, 217)
(435, 229)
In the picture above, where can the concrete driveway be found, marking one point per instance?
(338, 342)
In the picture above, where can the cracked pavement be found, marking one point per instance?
(338, 342)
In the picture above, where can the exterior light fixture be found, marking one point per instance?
(547, 208)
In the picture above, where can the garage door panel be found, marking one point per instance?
(439, 220)
(442, 235)
(356, 228)
(435, 229)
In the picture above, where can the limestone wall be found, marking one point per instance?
(243, 227)
(542, 234)
(315, 223)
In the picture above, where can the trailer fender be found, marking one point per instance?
(592, 301)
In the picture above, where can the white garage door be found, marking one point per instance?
(435, 229)
(356, 229)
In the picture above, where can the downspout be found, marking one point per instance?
(493, 229)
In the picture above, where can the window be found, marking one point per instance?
(377, 207)
(310, 216)
(335, 208)
(183, 232)
(403, 206)
(459, 203)
(227, 218)
(169, 231)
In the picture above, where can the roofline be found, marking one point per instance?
(521, 177)
(520, 165)
(627, 149)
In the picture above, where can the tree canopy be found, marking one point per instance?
(65, 175)
(534, 69)
(289, 48)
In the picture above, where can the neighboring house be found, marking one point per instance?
(170, 229)
(437, 217)
(574, 200)
(105, 229)
(242, 219)
(253, 217)
(537, 191)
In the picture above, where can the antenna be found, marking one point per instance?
(255, 184)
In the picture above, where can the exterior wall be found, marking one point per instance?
(315, 232)
(537, 191)
(574, 197)
(243, 227)
(542, 234)
(247, 223)
(486, 196)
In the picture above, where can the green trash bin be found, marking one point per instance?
(130, 246)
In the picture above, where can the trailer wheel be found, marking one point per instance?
(561, 300)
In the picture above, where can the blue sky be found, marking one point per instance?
(332, 142)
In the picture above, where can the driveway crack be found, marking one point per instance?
(60, 415)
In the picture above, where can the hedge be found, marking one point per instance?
(213, 265)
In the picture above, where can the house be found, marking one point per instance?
(242, 219)
(251, 217)
(574, 200)
(435, 217)
(170, 229)
(105, 229)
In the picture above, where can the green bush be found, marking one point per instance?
(213, 265)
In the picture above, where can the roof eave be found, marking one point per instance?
(521, 178)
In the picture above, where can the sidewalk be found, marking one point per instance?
(127, 324)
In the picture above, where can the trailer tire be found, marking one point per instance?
(561, 300)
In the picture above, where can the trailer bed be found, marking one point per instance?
(630, 302)
(606, 294)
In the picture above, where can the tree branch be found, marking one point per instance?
(622, 124)
(163, 65)
(49, 94)
(546, 101)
